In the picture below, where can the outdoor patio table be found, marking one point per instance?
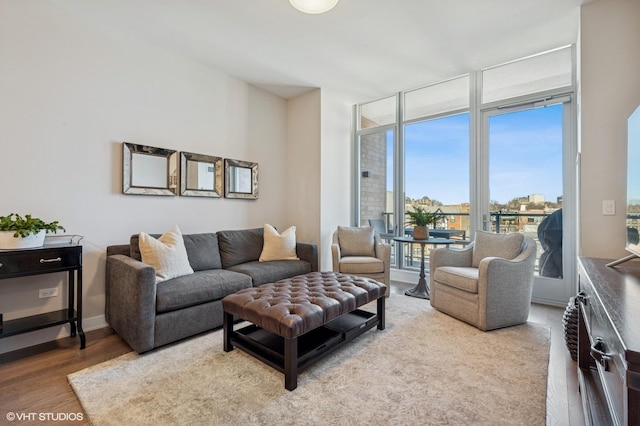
(422, 289)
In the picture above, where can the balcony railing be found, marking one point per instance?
(502, 221)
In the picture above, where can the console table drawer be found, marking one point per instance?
(25, 262)
(609, 342)
(606, 353)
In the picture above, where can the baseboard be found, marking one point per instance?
(548, 302)
(37, 337)
(404, 276)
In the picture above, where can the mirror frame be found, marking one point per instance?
(228, 192)
(171, 156)
(185, 157)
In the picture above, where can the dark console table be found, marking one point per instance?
(609, 342)
(46, 260)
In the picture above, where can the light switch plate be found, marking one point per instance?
(47, 292)
(609, 207)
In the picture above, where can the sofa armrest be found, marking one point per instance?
(335, 257)
(124, 249)
(383, 252)
(308, 252)
(131, 301)
(506, 285)
(450, 257)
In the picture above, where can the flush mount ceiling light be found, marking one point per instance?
(313, 6)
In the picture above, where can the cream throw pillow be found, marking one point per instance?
(166, 254)
(279, 246)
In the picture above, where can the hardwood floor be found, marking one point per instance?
(33, 381)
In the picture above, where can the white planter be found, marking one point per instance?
(9, 242)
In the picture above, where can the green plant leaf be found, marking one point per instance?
(421, 217)
(23, 227)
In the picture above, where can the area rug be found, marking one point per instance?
(425, 368)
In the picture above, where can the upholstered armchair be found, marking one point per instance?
(361, 251)
(487, 284)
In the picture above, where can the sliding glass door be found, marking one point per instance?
(526, 174)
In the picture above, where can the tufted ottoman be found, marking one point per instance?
(299, 320)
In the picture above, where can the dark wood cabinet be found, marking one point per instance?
(45, 260)
(609, 342)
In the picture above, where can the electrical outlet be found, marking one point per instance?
(609, 207)
(47, 292)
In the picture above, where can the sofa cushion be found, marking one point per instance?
(356, 241)
(134, 243)
(361, 265)
(203, 251)
(462, 278)
(269, 272)
(166, 254)
(240, 246)
(278, 246)
(487, 244)
(199, 287)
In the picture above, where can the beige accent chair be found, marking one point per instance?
(487, 284)
(361, 252)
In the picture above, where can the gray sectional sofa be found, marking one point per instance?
(147, 314)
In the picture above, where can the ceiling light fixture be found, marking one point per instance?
(313, 6)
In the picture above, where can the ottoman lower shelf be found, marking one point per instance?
(311, 347)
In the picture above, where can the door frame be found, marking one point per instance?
(545, 290)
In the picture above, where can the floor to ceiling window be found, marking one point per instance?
(492, 150)
(436, 175)
(376, 181)
(527, 153)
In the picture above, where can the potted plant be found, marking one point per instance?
(17, 232)
(420, 219)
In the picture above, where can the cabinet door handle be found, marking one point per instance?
(599, 354)
(57, 259)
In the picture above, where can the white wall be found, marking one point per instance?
(610, 92)
(70, 93)
(320, 165)
(303, 165)
(336, 169)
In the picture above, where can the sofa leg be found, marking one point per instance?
(227, 326)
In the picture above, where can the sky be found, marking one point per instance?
(525, 156)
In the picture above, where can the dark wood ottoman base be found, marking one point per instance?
(300, 320)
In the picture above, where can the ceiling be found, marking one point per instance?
(364, 48)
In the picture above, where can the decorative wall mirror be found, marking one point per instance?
(148, 170)
(200, 175)
(241, 179)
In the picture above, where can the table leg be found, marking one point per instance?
(83, 339)
(422, 289)
(291, 363)
(227, 327)
(381, 312)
